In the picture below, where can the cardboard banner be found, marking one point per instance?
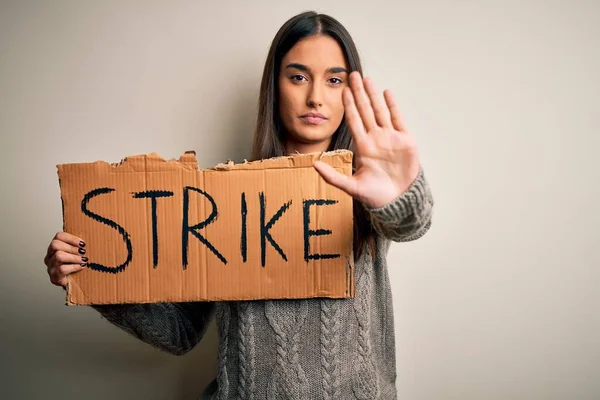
(159, 231)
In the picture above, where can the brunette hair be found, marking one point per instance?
(269, 137)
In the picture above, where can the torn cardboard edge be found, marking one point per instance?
(335, 158)
(84, 288)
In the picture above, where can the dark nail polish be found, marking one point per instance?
(82, 244)
(83, 265)
(81, 251)
(84, 259)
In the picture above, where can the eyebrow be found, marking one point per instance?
(302, 67)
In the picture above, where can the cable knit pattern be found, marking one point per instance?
(330, 348)
(320, 349)
(288, 380)
(365, 385)
(223, 320)
(247, 352)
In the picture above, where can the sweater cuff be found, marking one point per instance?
(409, 204)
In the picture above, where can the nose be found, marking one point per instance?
(314, 98)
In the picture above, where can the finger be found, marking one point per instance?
(394, 111)
(363, 104)
(61, 257)
(380, 109)
(59, 277)
(67, 269)
(62, 247)
(59, 280)
(70, 239)
(59, 245)
(335, 178)
(352, 116)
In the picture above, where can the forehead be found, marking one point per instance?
(316, 52)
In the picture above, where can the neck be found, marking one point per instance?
(292, 148)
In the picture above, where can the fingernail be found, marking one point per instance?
(83, 265)
(82, 244)
(81, 251)
(84, 259)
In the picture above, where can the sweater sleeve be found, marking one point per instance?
(172, 327)
(408, 217)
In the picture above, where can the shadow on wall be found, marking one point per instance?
(199, 367)
(243, 124)
(230, 138)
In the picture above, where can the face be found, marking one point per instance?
(311, 79)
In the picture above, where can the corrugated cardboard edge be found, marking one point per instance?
(350, 281)
(336, 158)
(188, 161)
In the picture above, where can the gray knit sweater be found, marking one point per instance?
(298, 349)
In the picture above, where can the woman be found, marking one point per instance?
(312, 99)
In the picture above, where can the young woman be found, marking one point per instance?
(312, 99)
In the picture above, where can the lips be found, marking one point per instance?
(313, 118)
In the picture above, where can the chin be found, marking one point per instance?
(313, 135)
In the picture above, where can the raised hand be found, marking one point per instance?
(386, 155)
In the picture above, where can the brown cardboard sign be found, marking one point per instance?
(159, 230)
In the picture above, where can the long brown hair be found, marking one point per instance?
(269, 137)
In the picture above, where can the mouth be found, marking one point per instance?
(313, 118)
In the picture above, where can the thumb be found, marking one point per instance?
(335, 178)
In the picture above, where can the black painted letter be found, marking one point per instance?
(244, 238)
(264, 229)
(84, 208)
(153, 194)
(319, 232)
(192, 229)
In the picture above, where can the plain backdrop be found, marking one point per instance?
(498, 301)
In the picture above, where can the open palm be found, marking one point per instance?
(386, 156)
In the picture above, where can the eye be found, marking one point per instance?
(335, 81)
(297, 78)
